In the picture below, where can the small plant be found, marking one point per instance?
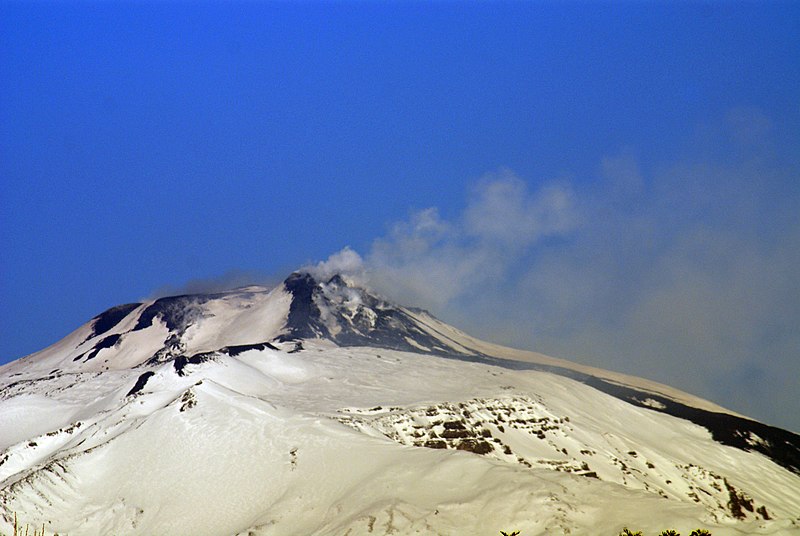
(668, 532)
(26, 531)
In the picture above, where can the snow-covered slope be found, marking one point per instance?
(317, 407)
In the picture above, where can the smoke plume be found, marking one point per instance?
(685, 273)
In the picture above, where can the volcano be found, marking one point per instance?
(318, 407)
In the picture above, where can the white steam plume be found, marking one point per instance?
(686, 273)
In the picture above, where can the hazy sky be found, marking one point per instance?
(618, 184)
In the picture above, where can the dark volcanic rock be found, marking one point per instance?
(241, 348)
(177, 312)
(106, 342)
(107, 320)
(141, 382)
(304, 321)
(182, 361)
(351, 316)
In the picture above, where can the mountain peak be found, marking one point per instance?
(351, 315)
(303, 307)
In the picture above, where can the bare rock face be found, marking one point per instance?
(352, 316)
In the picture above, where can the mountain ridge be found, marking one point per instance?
(331, 352)
(350, 315)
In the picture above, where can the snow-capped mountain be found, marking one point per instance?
(317, 407)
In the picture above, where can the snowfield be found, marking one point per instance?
(319, 408)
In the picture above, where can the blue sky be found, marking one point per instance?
(612, 183)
